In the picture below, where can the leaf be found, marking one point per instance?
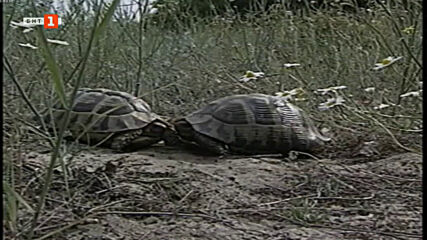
(103, 25)
(52, 66)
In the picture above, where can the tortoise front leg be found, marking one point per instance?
(132, 140)
(210, 144)
(141, 142)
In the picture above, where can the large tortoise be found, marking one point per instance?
(114, 119)
(250, 124)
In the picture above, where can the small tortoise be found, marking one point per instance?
(250, 124)
(114, 119)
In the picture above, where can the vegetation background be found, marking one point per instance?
(359, 61)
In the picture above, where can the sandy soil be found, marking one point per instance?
(167, 193)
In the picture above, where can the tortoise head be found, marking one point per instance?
(316, 140)
(313, 140)
(183, 128)
(163, 129)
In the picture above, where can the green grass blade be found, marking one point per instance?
(8, 189)
(109, 14)
(51, 64)
(59, 87)
(10, 206)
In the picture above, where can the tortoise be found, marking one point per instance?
(113, 119)
(250, 124)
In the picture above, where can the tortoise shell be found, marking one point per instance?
(256, 123)
(105, 111)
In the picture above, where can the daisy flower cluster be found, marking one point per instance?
(26, 28)
(296, 94)
(335, 97)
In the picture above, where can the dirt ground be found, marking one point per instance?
(167, 193)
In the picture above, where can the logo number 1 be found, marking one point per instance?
(50, 21)
(50, 24)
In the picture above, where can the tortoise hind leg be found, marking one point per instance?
(210, 144)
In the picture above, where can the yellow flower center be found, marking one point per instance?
(409, 30)
(250, 74)
(385, 61)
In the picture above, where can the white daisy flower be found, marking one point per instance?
(297, 94)
(331, 102)
(251, 76)
(386, 62)
(290, 65)
(409, 30)
(411, 94)
(28, 30)
(323, 91)
(27, 45)
(381, 106)
(369, 89)
(59, 42)
(338, 87)
(285, 94)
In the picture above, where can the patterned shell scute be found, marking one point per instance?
(103, 110)
(254, 121)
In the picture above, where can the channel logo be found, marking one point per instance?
(49, 21)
